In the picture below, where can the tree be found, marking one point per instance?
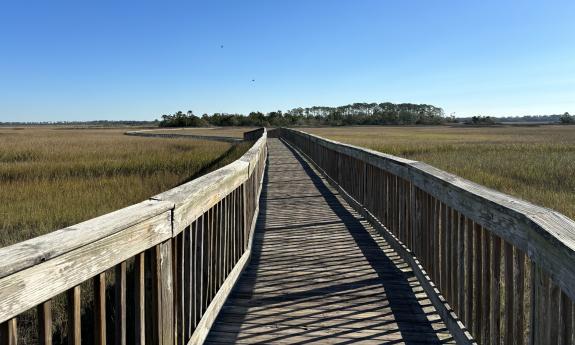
(567, 119)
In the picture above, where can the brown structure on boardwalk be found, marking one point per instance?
(305, 240)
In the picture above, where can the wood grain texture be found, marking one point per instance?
(120, 301)
(45, 323)
(26, 289)
(99, 326)
(43, 248)
(74, 308)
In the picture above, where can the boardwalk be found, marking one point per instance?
(320, 273)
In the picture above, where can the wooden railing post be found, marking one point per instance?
(164, 294)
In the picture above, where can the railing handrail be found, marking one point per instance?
(159, 215)
(545, 235)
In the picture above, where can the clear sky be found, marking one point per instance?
(86, 60)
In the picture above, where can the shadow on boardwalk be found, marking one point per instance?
(318, 275)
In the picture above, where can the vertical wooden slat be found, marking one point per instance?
(566, 320)
(9, 332)
(477, 286)
(508, 285)
(100, 308)
(448, 258)
(469, 274)
(120, 299)
(461, 267)
(166, 293)
(444, 239)
(45, 322)
(437, 239)
(454, 262)
(140, 295)
(495, 294)
(554, 315)
(188, 287)
(74, 316)
(518, 290)
(486, 282)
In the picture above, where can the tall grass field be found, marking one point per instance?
(535, 163)
(51, 178)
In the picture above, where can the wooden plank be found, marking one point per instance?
(140, 299)
(566, 336)
(485, 282)
(554, 314)
(508, 294)
(166, 293)
(45, 323)
(99, 282)
(469, 271)
(519, 296)
(192, 199)
(9, 332)
(26, 289)
(188, 282)
(120, 299)
(461, 267)
(74, 316)
(35, 251)
(477, 283)
(495, 317)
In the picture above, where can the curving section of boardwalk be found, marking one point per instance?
(320, 273)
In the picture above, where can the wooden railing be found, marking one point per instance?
(180, 253)
(498, 269)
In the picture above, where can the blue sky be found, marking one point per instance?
(85, 60)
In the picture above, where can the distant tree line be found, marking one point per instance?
(351, 114)
(565, 118)
(96, 123)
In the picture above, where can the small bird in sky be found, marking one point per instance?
(221, 46)
(253, 80)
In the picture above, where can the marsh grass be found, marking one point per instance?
(52, 178)
(234, 132)
(533, 163)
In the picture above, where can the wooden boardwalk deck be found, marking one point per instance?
(320, 273)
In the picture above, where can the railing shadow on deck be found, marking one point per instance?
(405, 306)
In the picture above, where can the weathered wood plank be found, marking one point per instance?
(26, 289)
(99, 282)
(140, 299)
(45, 323)
(120, 301)
(9, 332)
(74, 316)
(194, 198)
(28, 253)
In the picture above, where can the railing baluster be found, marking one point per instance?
(9, 332)
(100, 308)
(495, 318)
(140, 306)
(45, 322)
(120, 299)
(74, 316)
(486, 283)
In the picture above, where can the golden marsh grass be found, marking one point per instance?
(51, 178)
(535, 163)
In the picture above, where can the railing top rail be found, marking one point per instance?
(192, 197)
(547, 236)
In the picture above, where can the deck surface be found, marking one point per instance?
(320, 273)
